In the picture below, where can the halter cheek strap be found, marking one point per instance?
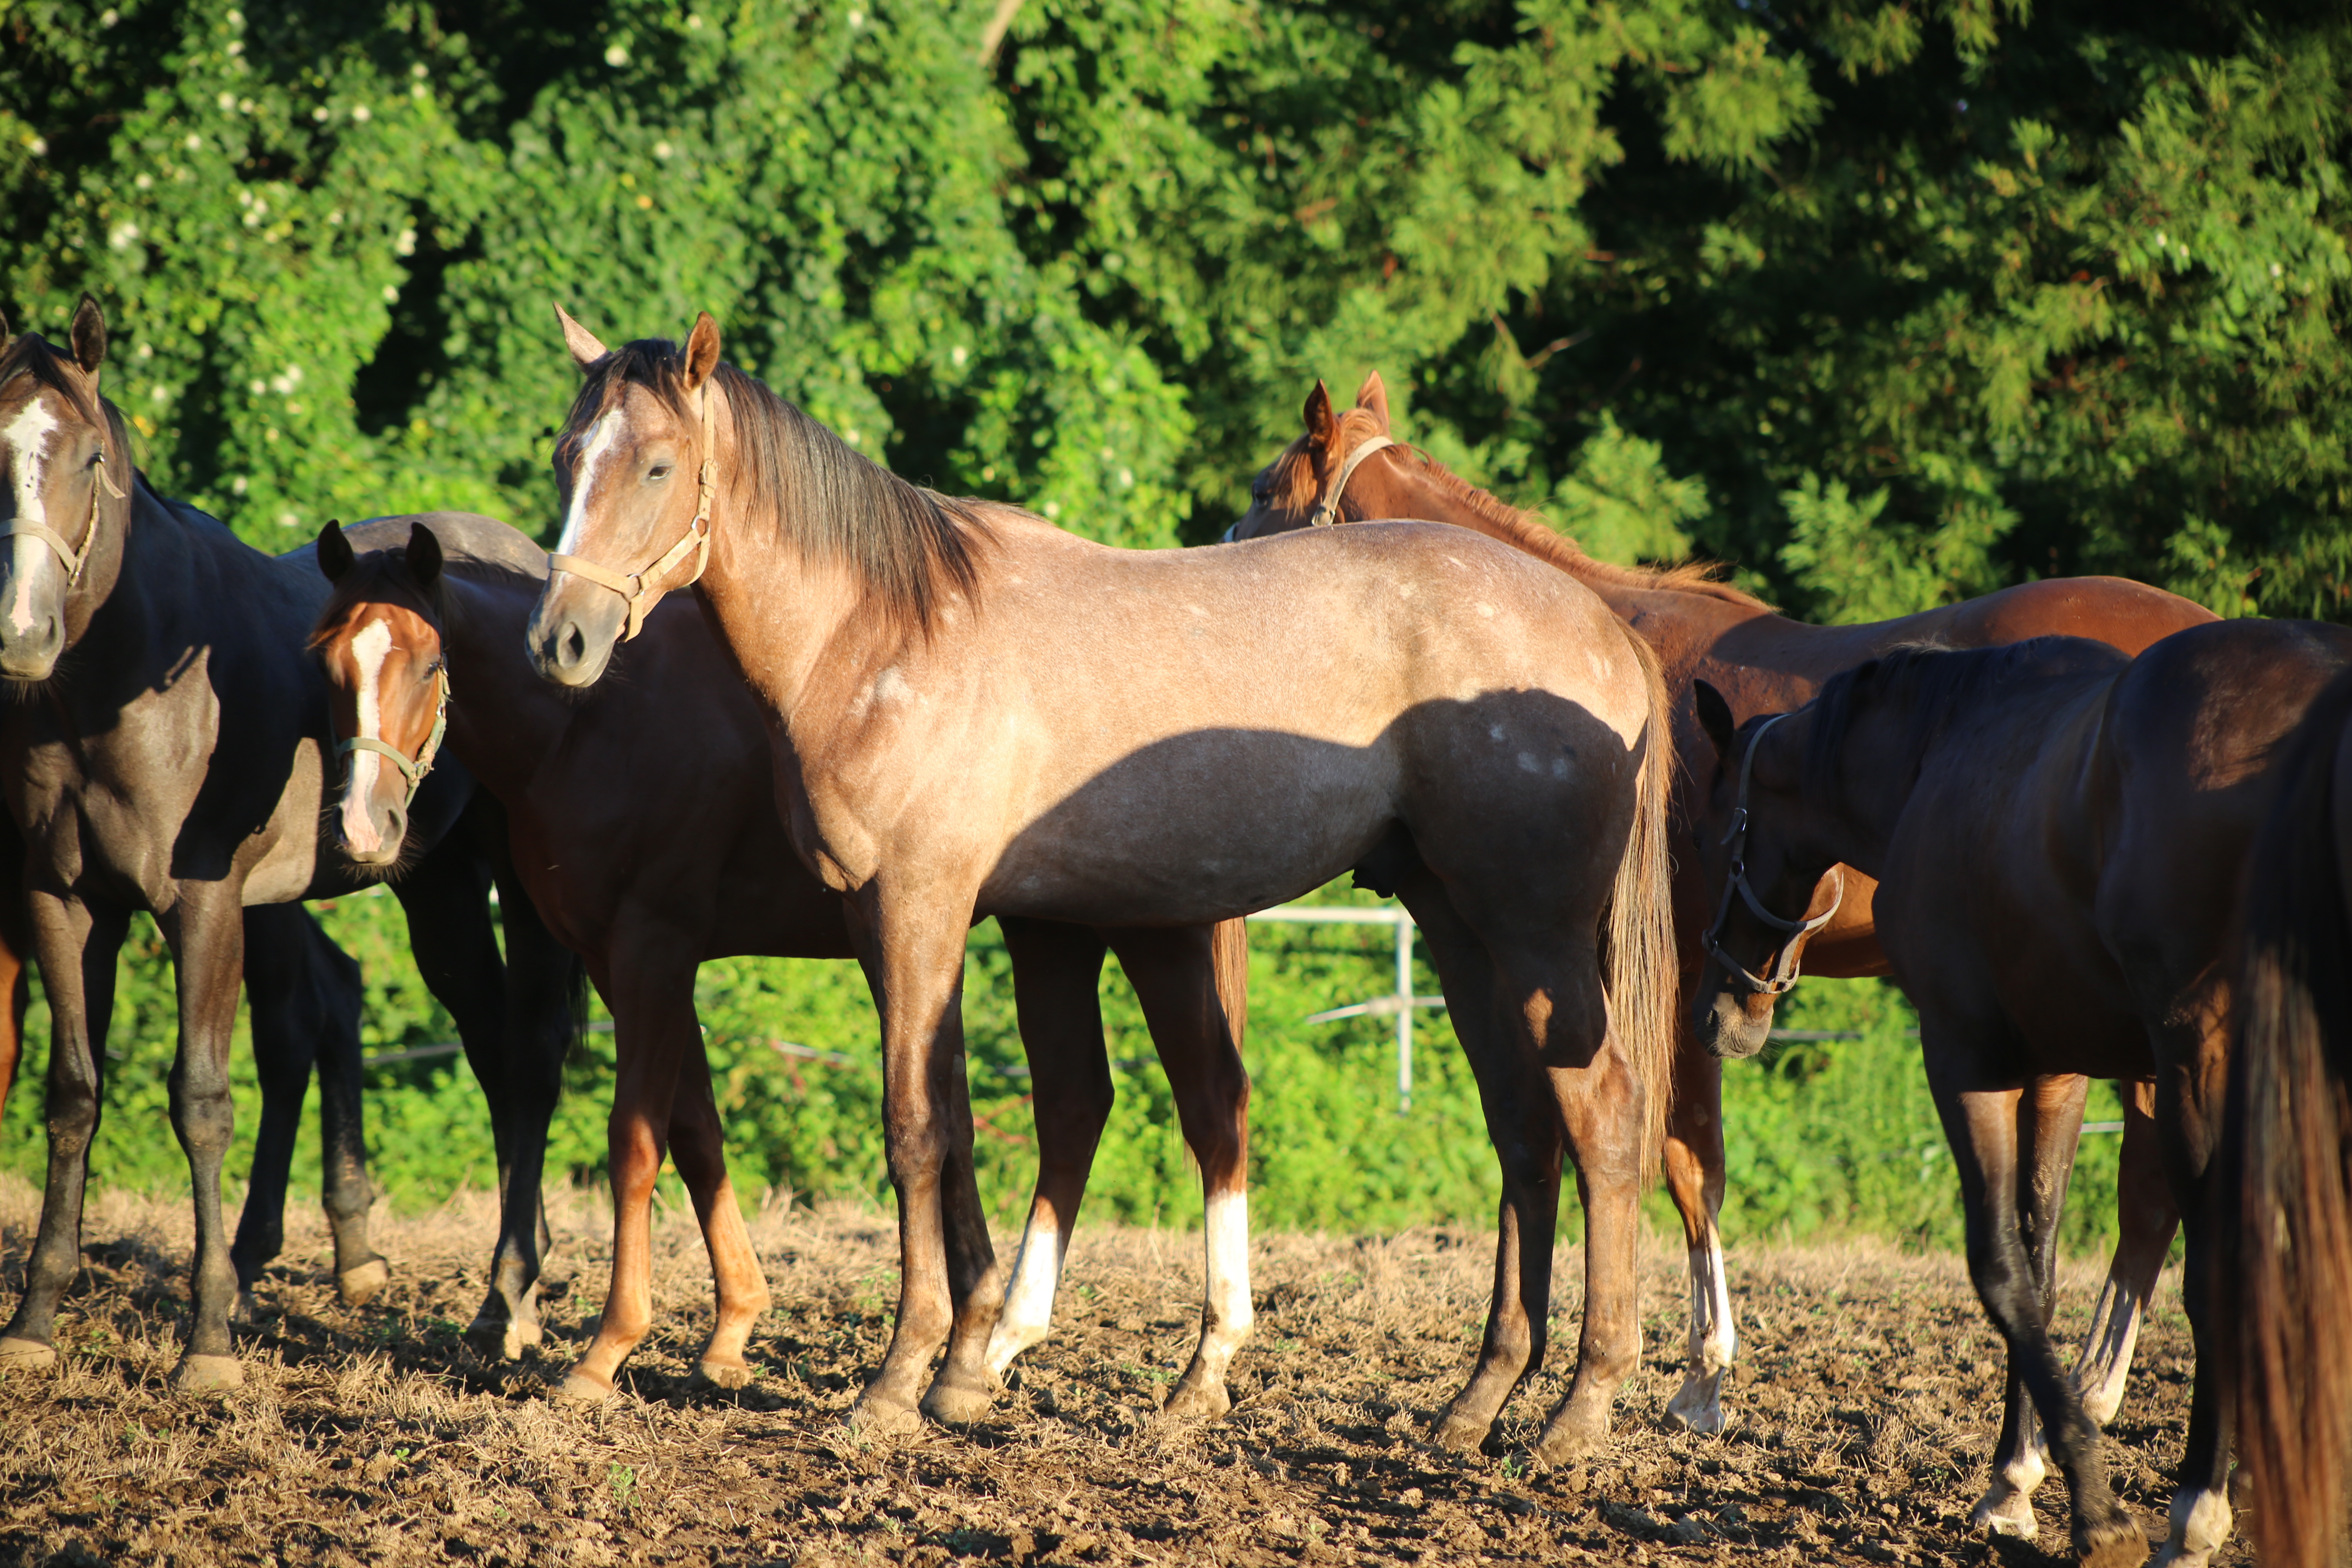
(1781, 975)
(74, 559)
(413, 770)
(636, 587)
(1329, 513)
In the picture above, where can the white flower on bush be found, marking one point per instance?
(285, 381)
(361, 113)
(404, 242)
(37, 146)
(122, 236)
(616, 56)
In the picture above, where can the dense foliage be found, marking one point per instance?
(1882, 303)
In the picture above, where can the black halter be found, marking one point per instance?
(1781, 977)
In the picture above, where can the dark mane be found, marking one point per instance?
(910, 547)
(1935, 685)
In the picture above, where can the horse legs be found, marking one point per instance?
(1177, 979)
(544, 981)
(76, 946)
(2146, 1219)
(2192, 1069)
(206, 932)
(698, 1146)
(305, 997)
(1980, 1123)
(1523, 1122)
(1055, 970)
(912, 951)
(1695, 1179)
(2052, 1127)
(15, 955)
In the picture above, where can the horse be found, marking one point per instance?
(169, 752)
(645, 829)
(2057, 833)
(1348, 467)
(973, 712)
(2283, 1182)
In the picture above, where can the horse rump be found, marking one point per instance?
(2285, 1187)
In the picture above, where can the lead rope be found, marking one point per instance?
(1782, 977)
(75, 560)
(697, 538)
(413, 770)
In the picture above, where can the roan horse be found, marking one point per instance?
(974, 712)
(2283, 1183)
(2058, 834)
(1348, 467)
(645, 827)
(172, 757)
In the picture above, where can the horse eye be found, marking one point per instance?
(658, 471)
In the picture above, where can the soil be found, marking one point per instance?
(1868, 1393)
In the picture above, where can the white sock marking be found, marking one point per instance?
(1029, 1298)
(1225, 1235)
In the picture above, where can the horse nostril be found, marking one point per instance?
(572, 647)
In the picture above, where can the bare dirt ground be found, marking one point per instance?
(1861, 1430)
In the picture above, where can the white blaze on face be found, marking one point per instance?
(26, 440)
(368, 651)
(601, 438)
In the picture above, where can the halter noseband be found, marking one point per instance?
(1781, 977)
(415, 770)
(75, 560)
(633, 587)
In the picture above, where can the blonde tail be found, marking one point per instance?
(1644, 976)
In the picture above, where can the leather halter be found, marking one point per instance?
(414, 771)
(1781, 977)
(634, 586)
(1328, 511)
(75, 560)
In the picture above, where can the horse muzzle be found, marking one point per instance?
(573, 630)
(1724, 1026)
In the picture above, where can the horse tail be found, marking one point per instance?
(2284, 1278)
(1641, 971)
(1229, 959)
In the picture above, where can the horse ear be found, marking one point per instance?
(89, 335)
(701, 352)
(335, 552)
(424, 556)
(1715, 717)
(1372, 397)
(1322, 425)
(586, 350)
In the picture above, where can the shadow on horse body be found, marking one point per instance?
(2058, 834)
(1348, 469)
(645, 819)
(2283, 1189)
(168, 752)
(973, 712)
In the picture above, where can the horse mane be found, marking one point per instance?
(910, 547)
(1938, 684)
(1528, 530)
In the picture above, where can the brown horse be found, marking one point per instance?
(2058, 834)
(2283, 1187)
(645, 829)
(974, 713)
(1347, 467)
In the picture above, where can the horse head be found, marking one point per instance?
(1755, 833)
(1319, 477)
(57, 439)
(636, 468)
(378, 639)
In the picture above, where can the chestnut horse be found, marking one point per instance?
(2058, 834)
(646, 829)
(2283, 1187)
(173, 758)
(1348, 467)
(974, 712)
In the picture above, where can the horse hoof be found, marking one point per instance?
(871, 1417)
(244, 1312)
(1203, 1401)
(207, 1375)
(1570, 1437)
(580, 1390)
(957, 1403)
(1698, 1408)
(722, 1375)
(26, 1356)
(358, 1286)
(520, 1336)
(1459, 1432)
(2001, 1512)
(2117, 1543)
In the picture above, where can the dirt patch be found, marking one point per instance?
(1859, 1430)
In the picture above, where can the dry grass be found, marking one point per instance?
(1861, 1428)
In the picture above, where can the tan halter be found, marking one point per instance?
(635, 586)
(1329, 513)
(75, 560)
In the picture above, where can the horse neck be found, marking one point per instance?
(784, 620)
(138, 607)
(504, 721)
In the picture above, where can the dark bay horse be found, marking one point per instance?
(644, 813)
(1348, 467)
(2058, 834)
(170, 751)
(973, 712)
(2283, 1185)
